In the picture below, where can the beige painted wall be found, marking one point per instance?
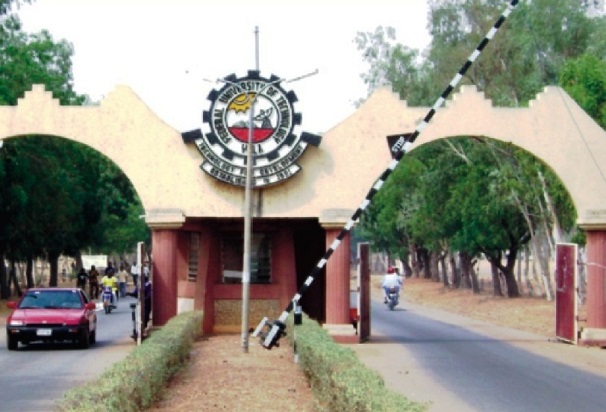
(336, 175)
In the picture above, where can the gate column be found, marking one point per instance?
(595, 331)
(338, 322)
(165, 226)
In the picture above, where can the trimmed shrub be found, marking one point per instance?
(339, 381)
(135, 383)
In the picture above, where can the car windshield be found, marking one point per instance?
(58, 299)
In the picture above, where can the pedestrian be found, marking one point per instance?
(122, 275)
(147, 302)
(81, 278)
(134, 271)
(93, 282)
(110, 268)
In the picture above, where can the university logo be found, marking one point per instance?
(258, 109)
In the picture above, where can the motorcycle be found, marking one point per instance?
(107, 299)
(393, 297)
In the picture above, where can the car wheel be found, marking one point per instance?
(93, 337)
(11, 342)
(84, 341)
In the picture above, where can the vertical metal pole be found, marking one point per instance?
(248, 212)
(140, 309)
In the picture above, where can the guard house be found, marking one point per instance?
(191, 185)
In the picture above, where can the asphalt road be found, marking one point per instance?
(35, 376)
(458, 364)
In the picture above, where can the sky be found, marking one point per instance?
(168, 50)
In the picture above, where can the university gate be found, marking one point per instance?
(193, 216)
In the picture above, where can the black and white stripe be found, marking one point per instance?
(278, 326)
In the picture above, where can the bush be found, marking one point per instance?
(339, 381)
(135, 383)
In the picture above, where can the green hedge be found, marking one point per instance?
(339, 381)
(135, 383)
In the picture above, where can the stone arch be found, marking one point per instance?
(121, 127)
(553, 128)
(336, 176)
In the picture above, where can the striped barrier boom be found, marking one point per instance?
(275, 329)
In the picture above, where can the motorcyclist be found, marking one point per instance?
(110, 280)
(391, 280)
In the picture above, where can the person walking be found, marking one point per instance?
(134, 272)
(93, 282)
(122, 275)
(147, 303)
(81, 278)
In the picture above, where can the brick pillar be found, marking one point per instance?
(596, 279)
(164, 291)
(337, 279)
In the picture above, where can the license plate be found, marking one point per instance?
(44, 332)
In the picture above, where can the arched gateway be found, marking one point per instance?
(196, 220)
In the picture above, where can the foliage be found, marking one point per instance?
(27, 59)
(6, 5)
(340, 382)
(476, 195)
(56, 196)
(135, 383)
(584, 79)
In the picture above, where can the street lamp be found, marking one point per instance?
(246, 259)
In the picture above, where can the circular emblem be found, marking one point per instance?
(251, 110)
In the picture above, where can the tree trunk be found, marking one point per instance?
(407, 269)
(526, 272)
(444, 270)
(454, 269)
(53, 260)
(475, 284)
(4, 289)
(424, 262)
(465, 282)
(543, 265)
(29, 272)
(508, 272)
(12, 278)
(434, 270)
(496, 282)
(414, 261)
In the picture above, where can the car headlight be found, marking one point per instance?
(16, 323)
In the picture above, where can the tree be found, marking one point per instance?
(56, 197)
(479, 196)
(584, 79)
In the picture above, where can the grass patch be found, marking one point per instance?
(138, 381)
(340, 382)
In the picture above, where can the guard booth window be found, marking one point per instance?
(192, 267)
(232, 249)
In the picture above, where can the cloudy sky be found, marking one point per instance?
(164, 49)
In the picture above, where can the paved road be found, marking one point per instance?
(458, 364)
(34, 377)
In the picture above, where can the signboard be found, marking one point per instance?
(99, 261)
(396, 143)
(257, 109)
(566, 292)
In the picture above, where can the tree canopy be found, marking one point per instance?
(471, 195)
(56, 196)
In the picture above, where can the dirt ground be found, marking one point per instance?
(221, 377)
